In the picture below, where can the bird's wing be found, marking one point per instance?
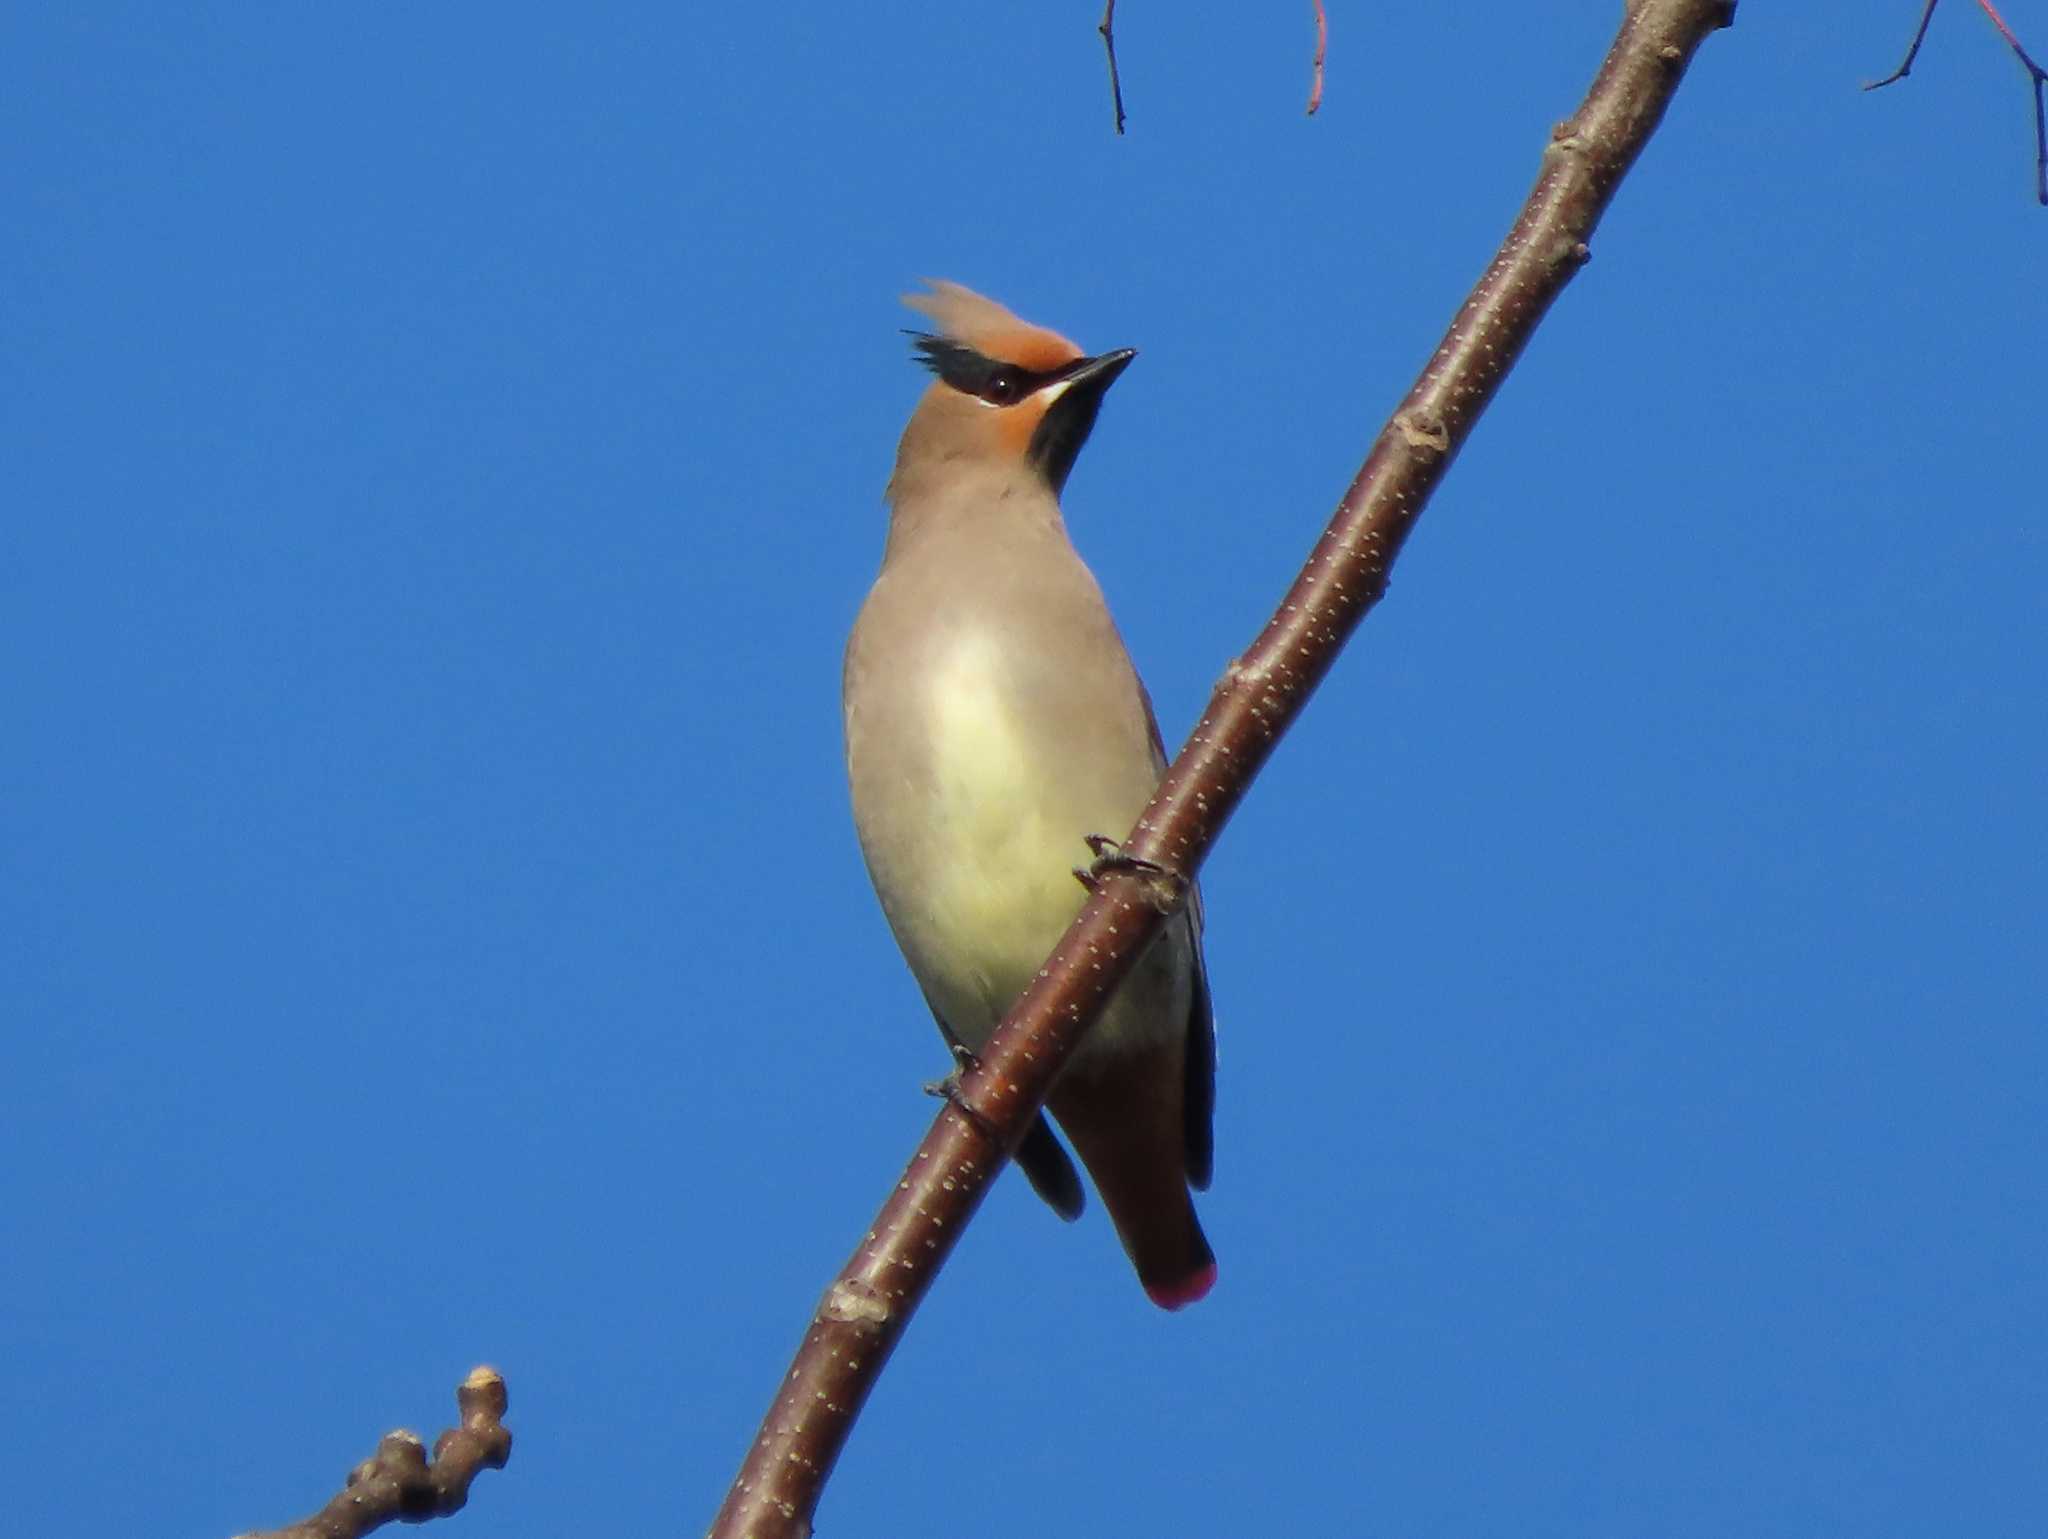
(1200, 1064)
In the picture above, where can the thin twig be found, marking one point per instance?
(2039, 78)
(1315, 85)
(398, 1484)
(863, 1314)
(2036, 75)
(1116, 85)
(1912, 52)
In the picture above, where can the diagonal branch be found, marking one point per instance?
(398, 1484)
(864, 1311)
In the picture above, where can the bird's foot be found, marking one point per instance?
(1165, 890)
(949, 1091)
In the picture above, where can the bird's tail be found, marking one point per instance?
(1125, 1119)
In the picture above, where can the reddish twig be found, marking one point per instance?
(398, 1483)
(2036, 75)
(1116, 84)
(865, 1310)
(1315, 84)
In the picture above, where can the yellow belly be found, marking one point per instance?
(1013, 799)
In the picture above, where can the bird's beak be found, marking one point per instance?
(1092, 376)
(1071, 403)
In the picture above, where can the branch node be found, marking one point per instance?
(850, 1301)
(1427, 434)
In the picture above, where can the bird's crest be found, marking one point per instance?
(965, 317)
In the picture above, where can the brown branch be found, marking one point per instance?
(1116, 84)
(864, 1311)
(2036, 75)
(398, 1483)
(1315, 84)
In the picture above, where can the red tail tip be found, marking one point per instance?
(1183, 1291)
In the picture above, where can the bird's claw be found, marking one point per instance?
(1165, 890)
(949, 1091)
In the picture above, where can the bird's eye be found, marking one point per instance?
(1005, 387)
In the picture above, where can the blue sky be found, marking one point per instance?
(442, 453)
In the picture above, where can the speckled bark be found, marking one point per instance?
(400, 1484)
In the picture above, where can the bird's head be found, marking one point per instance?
(1008, 392)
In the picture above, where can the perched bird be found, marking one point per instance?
(993, 722)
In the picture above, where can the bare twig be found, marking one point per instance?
(398, 1483)
(2038, 78)
(863, 1313)
(2036, 75)
(1315, 84)
(1912, 50)
(1116, 84)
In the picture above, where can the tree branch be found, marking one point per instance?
(2037, 77)
(1315, 84)
(1107, 28)
(864, 1311)
(397, 1482)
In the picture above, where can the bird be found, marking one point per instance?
(994, 722)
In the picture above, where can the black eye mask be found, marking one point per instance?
(976, 374)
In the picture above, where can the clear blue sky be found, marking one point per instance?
(442, 452)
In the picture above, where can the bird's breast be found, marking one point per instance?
(1021, 758)
(1015, 789)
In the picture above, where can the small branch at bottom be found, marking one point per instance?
(399, 1483)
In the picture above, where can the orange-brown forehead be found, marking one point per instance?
(991, 330)
(1029, 347)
